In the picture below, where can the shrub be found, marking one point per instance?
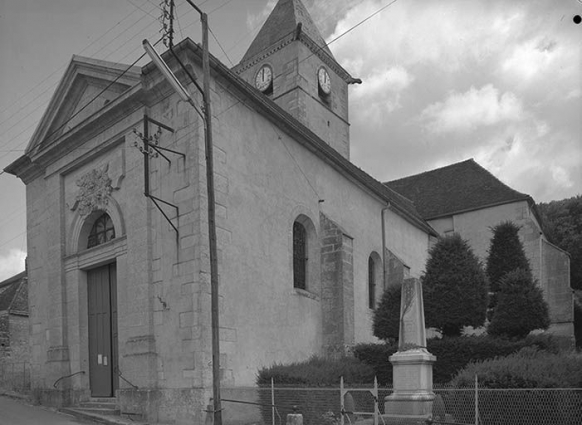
(376, 356)
(317, 372)
(454, 287)
(453, 354)
(521, 307)
(507, 377)
(528, 368)
(386, 323)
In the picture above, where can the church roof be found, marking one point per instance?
(283, 21)
(456, 188)
(14, 294)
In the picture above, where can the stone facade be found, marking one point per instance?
(271, 170)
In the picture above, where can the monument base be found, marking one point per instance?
(413, 395)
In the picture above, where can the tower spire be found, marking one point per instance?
(283, 21)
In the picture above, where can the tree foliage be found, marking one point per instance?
(563, 227)
(505, 254)
(386, 324)
(454, 287)
(521, 307)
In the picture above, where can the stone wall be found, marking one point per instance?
(337, 288)
(555, 282)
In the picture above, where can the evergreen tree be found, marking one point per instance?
(505, 254)
(521, 307)
(386, 324)
(454, 287)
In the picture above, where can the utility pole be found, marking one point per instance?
(211, 224)
(216, 398)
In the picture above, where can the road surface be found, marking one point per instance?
(17, 412)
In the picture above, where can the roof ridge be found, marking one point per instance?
(432, 171)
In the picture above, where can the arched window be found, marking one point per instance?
(299, 256)
(371, 283)
(101, 232)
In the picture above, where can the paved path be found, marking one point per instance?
(18, 412)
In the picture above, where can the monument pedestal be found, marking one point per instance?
(413, 395)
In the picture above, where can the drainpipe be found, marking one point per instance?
(384, 245)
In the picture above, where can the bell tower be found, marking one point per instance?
(290, 63)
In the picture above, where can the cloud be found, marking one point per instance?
(475, 108)
(535, 159)
(11, 263)
(381, 93)
(255, 21)
(442, 34)
(531, 58)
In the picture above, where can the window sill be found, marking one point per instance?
(305, 293)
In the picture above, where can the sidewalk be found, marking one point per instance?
(101, 419)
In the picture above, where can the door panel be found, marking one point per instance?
(102, 315)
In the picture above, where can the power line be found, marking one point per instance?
(15, 138)
(220, 45)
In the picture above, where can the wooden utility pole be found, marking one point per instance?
(183, 93)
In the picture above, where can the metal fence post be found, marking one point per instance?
(476, 401)
(376, 407)
(272, 401)
(342, 409)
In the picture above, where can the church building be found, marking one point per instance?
(117, 225)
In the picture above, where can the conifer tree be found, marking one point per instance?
(505, 253)
(454, 287)
(521, 307)
(386, 324)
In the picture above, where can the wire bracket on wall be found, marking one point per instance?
(150, 148)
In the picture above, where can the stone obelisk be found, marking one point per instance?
(412, 364)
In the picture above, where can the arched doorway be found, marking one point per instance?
(102, 312)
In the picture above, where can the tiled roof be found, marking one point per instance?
(11, 293)
(463, 186)
(282, 21)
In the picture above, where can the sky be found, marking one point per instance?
(498, 81)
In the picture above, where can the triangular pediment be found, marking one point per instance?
(283, 21)
(87, 86)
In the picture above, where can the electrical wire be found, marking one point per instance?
(229, 107)
(15, 138)
(220, 45)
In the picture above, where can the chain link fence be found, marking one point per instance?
(15, 376)
(365, 406)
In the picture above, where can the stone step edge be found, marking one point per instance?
(102, 419)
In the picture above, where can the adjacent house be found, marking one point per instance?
(467, 199)
(117, 224)
(14, 333)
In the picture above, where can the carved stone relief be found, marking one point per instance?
(94, 190)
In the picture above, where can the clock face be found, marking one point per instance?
(264, 78)
(324, 80)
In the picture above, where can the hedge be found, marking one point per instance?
(508, 381)
(453, 354)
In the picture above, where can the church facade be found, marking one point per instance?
(117, 225)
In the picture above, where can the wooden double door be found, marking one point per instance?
(103, 353)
